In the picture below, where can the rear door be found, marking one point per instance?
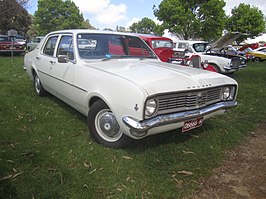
(45, 59)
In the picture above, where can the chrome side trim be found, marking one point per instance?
(143, 126)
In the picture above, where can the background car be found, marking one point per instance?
(257, 56)
(9, 45)
(219, 61)
(163, 48)
(34, 43)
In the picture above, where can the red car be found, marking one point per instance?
(7, 45)
(163, 48)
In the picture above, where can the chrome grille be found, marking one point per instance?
(237, 61)
(188, 100)
(196, 60)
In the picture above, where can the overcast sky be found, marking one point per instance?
(110, 13)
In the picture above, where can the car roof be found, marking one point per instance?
(144, 36)
(78, 31)
(190, 41)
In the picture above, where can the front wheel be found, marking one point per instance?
(215, 68)
(104, 127)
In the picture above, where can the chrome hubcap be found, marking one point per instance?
(37, 84)
(107, 125)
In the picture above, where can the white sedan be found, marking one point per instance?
(121, 86)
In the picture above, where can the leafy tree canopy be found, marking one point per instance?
(192, 19)
(14, 16)
(146, 26)
(54, 15)
(246, 19)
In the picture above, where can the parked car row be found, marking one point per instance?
(257, 55)
(213, 53)
(123, 88)
(18, 46)
(163, 48)
(9, 45)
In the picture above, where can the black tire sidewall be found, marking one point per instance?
(99, 105)
(42, 92)
(257, 59)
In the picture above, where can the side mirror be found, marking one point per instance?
(62, 59)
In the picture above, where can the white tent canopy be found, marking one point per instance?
(261, 38)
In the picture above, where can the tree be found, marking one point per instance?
(192, 19)
(246, 19)
(14, 16)
(87, 25)
(54, 15)
(146, 26)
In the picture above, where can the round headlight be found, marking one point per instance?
(205, 64)
(226, 93)
(150, 108)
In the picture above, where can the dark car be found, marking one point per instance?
(7, 45)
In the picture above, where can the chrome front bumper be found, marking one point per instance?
(234, 68)
(140, 128)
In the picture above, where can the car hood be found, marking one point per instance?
(225, 40)
(158, 77)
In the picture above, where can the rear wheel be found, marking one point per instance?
(104, 127)
(38, 86)
(257, 59)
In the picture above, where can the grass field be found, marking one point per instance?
(46, 150)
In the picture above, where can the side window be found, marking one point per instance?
(65, 47)
(50, 46)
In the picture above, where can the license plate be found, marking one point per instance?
(188, 125)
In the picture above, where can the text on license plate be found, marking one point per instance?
(188, 125)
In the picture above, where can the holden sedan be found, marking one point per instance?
(123, 88)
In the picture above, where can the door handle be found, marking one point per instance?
(38, 58)
(52, 62)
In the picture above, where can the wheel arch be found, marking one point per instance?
(95, 99)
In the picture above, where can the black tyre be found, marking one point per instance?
(218, 70)
(38, 86)
(257, 59)
(104, 127)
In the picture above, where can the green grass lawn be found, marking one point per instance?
(46, 150)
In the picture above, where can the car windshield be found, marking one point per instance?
(162, 44)
(37, 40)
(200, 47)
(4, 39)
(107, 46)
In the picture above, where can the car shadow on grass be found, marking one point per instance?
(164, 138)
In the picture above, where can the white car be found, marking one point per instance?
(34, 43)
(217, 58)
(122, 87)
